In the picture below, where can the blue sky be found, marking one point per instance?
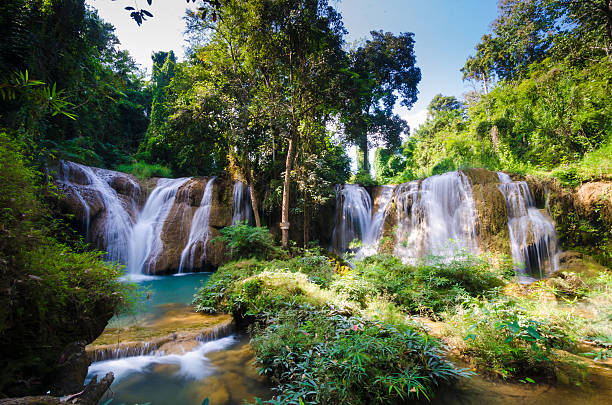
(445, 33)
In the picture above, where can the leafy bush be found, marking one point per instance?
(434, 285)
(320, 357)
(363, 178)
(244, 241)
(53, 294)
(507, 338)
(144, 170)
(317, 343)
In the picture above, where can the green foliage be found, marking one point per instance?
(62, 78)
(244, 241)
(434, 285)
(553, 119)
(53, 294)
(144, 170)
(311, 337)
(507, 338)
(379, 72)
(318, 357)
(363, 178)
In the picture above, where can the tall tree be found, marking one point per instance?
(382, 70)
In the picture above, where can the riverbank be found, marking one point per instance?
(327, 333)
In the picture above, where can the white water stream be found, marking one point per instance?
(145, 243)
(198, 232)
(533, 240)
(241, 201)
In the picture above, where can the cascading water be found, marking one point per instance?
(354, 205)
(435, 216)
(118, 223)
(145, 243)
(241, 200)
(199, 232)
(374, 231)
(533, 239)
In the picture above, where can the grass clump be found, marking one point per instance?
(434, 285)
(318, 356)
(526, 331)
(504, 337)
(322, 340)
(144, 170)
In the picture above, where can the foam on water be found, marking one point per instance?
(191, 365)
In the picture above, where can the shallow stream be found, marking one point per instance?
(221, 370)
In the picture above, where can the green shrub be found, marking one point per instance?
(506, 337)
(52, 293)
(144, 170)
(363, 178)
(434, 285)
(244, 241)
(313, 339)
(320, 357)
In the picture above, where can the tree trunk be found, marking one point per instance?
(254, 199)
(284, 225)
(608, 13)
(486, 83)
(364, 149)
(306, 223)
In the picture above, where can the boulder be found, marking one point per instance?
(70, 373)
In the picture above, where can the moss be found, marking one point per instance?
(492, 221)
(183, 321)
(481, 176)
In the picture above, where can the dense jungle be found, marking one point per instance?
(255, 221)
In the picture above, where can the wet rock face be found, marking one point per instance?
(84, 201)
(583, 215)
(492, 218)
(175, 232)
(70, 373)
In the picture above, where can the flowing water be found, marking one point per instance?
(533, 239)
(241, 201)
(436, 216)
(117, 226)
(145, 243)
(353, 216)
(221, 369)
(374, 231)
(198, 232)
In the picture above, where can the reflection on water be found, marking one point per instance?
(480, 391)
(159, 294)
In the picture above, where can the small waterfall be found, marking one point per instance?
(118, 223)
(354, 205)
(533, 239)
(145, 243)
(241, 199)
(435, 216)
(199, 232)
(374, 231)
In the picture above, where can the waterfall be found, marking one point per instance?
(117, 223)
(533, 239)
(354, 205)
(435, 216)
(374, 231)
(241, 200)
(199, 232)
(145, 243)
